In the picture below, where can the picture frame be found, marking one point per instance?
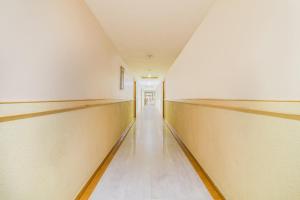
(122, 74)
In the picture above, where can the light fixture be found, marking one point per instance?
(149, 77)
(149, 56)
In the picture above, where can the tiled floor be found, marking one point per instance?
(150, 165)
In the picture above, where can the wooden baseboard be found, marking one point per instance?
(89, 187)
(211, 187)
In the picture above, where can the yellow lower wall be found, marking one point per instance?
(53, 156)
(248, 156)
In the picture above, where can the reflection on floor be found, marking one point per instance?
(150, 165)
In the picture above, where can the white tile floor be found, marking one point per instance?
(150, 165)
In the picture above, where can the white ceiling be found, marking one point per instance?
(160, 28)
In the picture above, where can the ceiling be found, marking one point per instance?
(149, 34)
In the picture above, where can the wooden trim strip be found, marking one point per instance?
(91, 184)
(243, 100)
(57, 101)
(76, 100)
(55, 111)
(211, 187)
(244, 110)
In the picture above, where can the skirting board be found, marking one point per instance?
(211, 187)
(91, 184)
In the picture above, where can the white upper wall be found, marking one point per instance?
(56, 49)
(244, 49)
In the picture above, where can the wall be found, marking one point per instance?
(56, 49)
(244, 49)
(159, 98)
(247, 155)
(139, 97)
(53, 156)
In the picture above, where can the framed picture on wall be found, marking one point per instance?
(122, 73)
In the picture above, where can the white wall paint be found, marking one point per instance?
(159, 98)
(244, 49)
(55, 49)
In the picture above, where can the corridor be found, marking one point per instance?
(150, 100)
(150, 165)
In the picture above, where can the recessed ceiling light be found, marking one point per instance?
(151, 77)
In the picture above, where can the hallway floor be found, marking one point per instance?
(150, 165)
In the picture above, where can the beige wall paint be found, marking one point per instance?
(53, 156)
(248, 156)
(56, 49)
(244, 49)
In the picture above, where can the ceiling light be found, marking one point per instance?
(149, 56)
